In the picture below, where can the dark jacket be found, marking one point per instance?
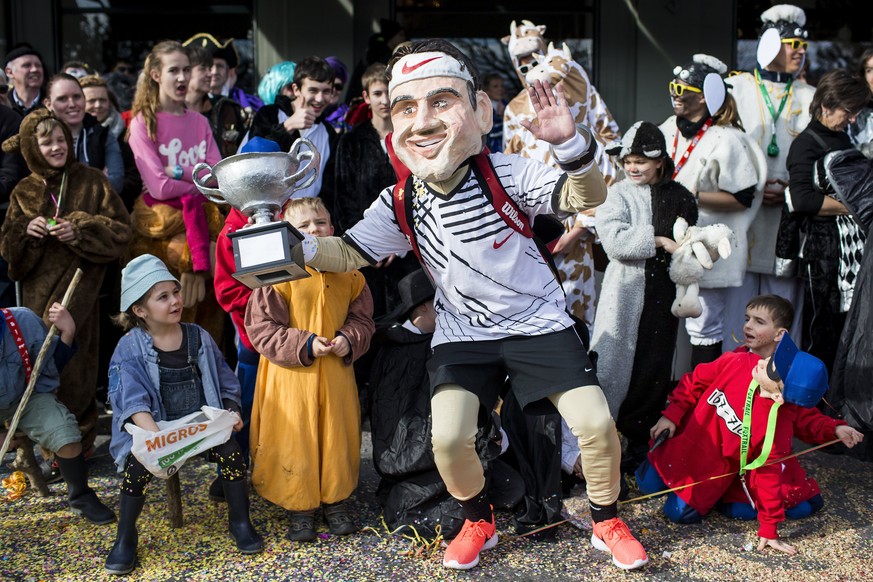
(13, 104)
(97, 148)
(805, 152)
(362, 172)
(266, 124)
(12, 166)
(851, 393)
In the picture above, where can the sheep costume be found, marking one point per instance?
(725, 160)
(634, 323)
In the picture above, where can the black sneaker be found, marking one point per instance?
(339, 519)
(302, 526)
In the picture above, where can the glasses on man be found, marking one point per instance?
(678, 88)
(795, 43)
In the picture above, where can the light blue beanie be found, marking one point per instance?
(140, 275)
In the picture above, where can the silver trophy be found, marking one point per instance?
(258, 184)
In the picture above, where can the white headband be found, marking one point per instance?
(425, 65)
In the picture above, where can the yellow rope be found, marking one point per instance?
(665, 491)
(421, 547)
(731, 474)
(15, 486)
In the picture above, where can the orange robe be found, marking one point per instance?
(305, 428)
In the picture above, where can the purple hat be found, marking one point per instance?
(339, 68)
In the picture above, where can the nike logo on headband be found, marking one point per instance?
(406, 69)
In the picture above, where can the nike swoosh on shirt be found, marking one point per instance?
(497, 245)
(407, 69)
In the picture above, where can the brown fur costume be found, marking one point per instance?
(46, 266)
(159, 230)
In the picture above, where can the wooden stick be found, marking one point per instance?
(174, 501)
(37, 367)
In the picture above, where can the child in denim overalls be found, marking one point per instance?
(163, 370)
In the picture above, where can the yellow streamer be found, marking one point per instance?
(420, 546)
(15, 486)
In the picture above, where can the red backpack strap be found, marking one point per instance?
(547, 229)
(401, 203)
(19, 343)
(496, 193)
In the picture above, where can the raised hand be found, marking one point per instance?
(554, 123)
(193, 288)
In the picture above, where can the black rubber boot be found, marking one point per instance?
(83, 501)
(122, 557)
(704, 354)
(241, 529)
(216, 490)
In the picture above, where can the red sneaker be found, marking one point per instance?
(463, 552)
(614, 537)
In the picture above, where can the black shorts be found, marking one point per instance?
(537, 366)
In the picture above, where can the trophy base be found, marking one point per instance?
(268, 254)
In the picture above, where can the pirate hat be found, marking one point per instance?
(219, 50)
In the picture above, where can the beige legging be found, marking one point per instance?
(455, 415)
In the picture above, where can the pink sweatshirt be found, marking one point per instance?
(183, 140)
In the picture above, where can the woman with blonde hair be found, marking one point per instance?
(726, 171)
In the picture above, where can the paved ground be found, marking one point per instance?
(41, 540)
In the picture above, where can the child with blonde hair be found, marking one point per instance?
(305, 428)
(163, 369)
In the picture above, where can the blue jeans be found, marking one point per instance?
(247, 373)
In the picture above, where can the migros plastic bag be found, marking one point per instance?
(165, 451)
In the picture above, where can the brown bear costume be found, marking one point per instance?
(45, 266)
(159, 230)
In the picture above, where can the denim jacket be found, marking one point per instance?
(12, 382)
(134, 383)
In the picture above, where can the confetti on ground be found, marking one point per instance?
(42, 540)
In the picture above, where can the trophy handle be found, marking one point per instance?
(213, 194)
(311, 155)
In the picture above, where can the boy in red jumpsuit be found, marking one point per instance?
(707, 422)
